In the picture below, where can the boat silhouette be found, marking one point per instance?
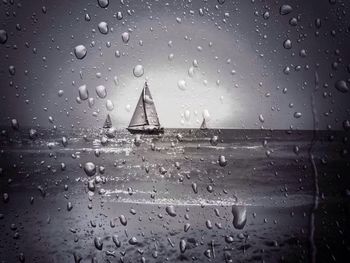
(145, 118)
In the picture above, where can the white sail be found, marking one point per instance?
(150, 109)
(139, 117)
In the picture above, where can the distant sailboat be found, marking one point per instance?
(204, 125)
(145, 118)
(108, 122)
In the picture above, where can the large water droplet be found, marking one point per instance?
(182, 245)
(98, 243)
(3, 36)
(342, 86)
(239, 216)
(103, 27)
(83, 92)
(125, 37)
(101, 91)
(297, 115)
(90, 168)
(170, 209)
(138, 71)
(103, 3)
(287, 44)
(80, 51)
(222, 161)
(285, 9)
(109, 105)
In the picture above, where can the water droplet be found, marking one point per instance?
(133, 241)
(222, 161)
(261, 118)
(14, 124)
(170, 209)
(346, 125)
(103, 3)
(116, 241)
(287, 44)
(214, 140)
(342, 86)
(123, 220)
(80, 51)
(3, 36)
(182, 245)
(103, 27)
(12, 70)
(138, 71)
(109, 105)
(181, 84)
(101, 91)
(221, 2)
(297, 115)
(83, 92)
(69, 206)
(285, 9)
(90, 169)
(187, 227)
(194, 188)
(239, 216)
(98, 243)
(125, 37)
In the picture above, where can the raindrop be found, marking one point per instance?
(287, 44)
(103, 27)
(103, 3)
(138, 71)
(182, 246)
(261, 118)
(125, 37)
(181, 84)
(101, 91)
(222, 161)
(346, 125)
(123, 220)
(69, 206)
(3, 36)
(119, 15)
(98, 243)
(133, 241)
(14, 124)
(342, 86)
(12, 70)
(194, 188)
(297, 115)
(80, 51)
(239, 216)
(83, 92)
(170, 209)
(90, 169)
(285, 9)
(109, 105)
(214, 140)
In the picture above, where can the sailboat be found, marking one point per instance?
(108, 122)
(204, 125)
(145, 117)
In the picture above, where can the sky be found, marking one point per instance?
(233, 57)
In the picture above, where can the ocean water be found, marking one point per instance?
(49, 198)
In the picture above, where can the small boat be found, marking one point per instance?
(108, 122)
(145, 117)
(204, 125)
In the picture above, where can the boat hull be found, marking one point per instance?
(146, 131)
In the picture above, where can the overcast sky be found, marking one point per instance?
(231, 56)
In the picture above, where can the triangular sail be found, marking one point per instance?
(150, 109)
(108, 122)
(204, 125)
(139, 117)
